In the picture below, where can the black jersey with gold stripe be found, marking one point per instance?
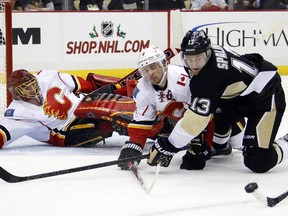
(231, 78)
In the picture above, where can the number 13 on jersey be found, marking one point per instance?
(200, 106)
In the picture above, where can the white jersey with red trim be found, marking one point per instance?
(150, 101)
(22, 118)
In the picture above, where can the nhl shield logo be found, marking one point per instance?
(107, 29)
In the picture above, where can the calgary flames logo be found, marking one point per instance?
(174, 110)
(57, 105)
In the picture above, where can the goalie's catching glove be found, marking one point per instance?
(129, 149)
(161, 152)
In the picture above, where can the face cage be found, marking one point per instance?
(28, 90)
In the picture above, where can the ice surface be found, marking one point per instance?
(216, 190)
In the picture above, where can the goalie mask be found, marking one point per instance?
(24, 86)
(195, 50)
(148, 61)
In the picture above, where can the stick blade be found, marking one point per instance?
(8, 177)
(271, 202)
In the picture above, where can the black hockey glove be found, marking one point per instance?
(195, 158)
(129, 149)
(161, 152)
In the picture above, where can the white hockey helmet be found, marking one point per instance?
(151, 55)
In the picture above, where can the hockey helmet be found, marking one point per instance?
(151, 55)
(195, 42)
(24, 86)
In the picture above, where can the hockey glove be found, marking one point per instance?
(129, 149)
(195, 158)
(161, 152)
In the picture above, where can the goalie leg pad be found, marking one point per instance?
(120, 123)
(102, 106)
(87, 133)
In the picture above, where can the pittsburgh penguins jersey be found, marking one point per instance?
(60, 98)
(227, 78)
(150, 101)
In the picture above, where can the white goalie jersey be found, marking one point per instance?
(59, 91)
(171, 102)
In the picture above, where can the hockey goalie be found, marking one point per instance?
(43, 108)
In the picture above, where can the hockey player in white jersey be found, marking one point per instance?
(43, 108)
(163, 89)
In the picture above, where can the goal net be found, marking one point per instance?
(5, 53)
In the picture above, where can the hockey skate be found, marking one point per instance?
(217, 149)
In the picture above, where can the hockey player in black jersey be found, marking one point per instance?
(228, 87)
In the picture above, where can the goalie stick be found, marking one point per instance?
(10, 178)
(135, 75)
(268, 201)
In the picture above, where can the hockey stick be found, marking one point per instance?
(268, 201)
(10, 178)
(176, 23)
(135, 75)
(134, 168)
(135, 171)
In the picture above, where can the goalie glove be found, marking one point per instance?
(161, 152)
(129, 149)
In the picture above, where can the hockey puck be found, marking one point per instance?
(251, 187)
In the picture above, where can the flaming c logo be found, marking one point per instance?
(56, 106)
(174, 110)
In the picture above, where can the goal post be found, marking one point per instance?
(5, 53)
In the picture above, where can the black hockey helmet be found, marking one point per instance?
(195, 42)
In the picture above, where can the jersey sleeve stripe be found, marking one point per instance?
(4, 136)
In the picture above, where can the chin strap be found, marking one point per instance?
(164, 78)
